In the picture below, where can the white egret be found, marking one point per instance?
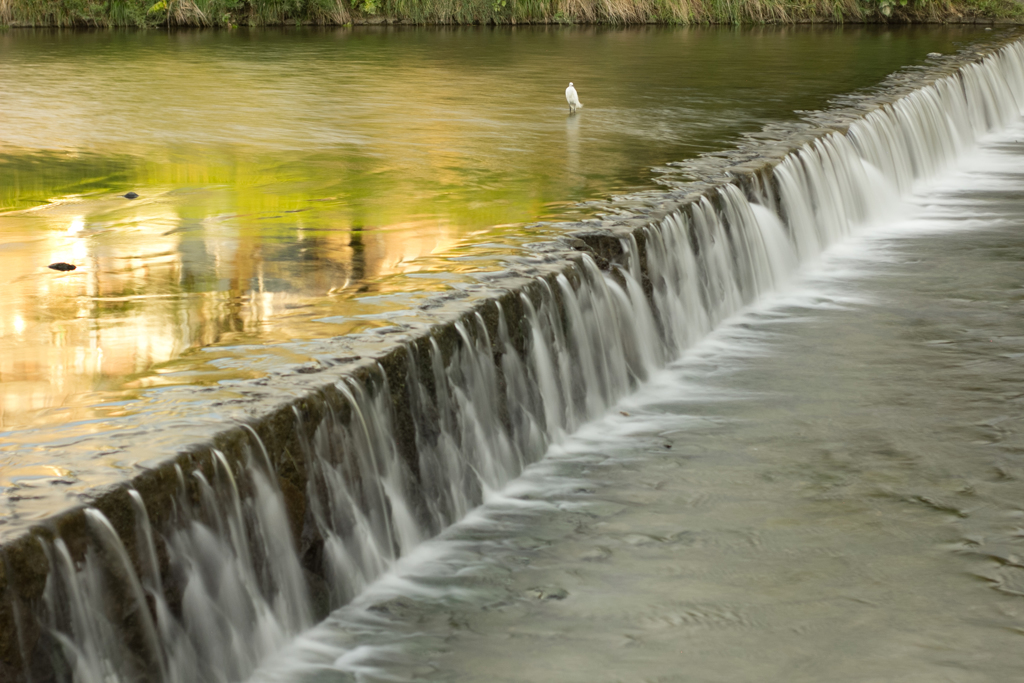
(573, 99)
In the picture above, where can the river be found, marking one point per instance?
(793, 456)
(306, 183)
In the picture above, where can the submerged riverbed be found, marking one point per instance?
(299, 184)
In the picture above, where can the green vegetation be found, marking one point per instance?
(228, 13)
(146, 13)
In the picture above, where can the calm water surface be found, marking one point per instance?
(299, 184)
(830, 488)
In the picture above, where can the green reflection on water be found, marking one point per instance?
(284, 174)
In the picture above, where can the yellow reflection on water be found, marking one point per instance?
(153, 283)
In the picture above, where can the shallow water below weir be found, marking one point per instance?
(830, 487)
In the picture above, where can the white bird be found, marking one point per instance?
(573, 99)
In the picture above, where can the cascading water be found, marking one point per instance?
(241, 588)
(212, 593)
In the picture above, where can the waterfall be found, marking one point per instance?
(223, 581)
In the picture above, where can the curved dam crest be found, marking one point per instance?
(221, 553)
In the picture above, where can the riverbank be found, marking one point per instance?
(231, 13)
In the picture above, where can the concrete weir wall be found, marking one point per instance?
(277, 432)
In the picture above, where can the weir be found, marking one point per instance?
(202, 566)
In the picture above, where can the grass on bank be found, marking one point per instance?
(144, 13)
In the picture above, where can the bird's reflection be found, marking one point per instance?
(572, 144)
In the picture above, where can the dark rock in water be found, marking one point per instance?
(61, 266)
(131, 195)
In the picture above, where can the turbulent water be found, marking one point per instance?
(823, 483)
